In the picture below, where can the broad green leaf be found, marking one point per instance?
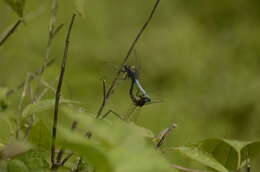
(231, 154)
(195, 153)
(86, 148)
(222, 151)
(17, 166)
(42, 106)
(40, 136)
(17, 6)
(143, 131)
(80, 6)
(122, 143)
(250, 151)
(32, 160)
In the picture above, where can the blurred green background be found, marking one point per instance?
(200, 58)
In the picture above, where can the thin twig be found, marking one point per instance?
(58, 92)
(51, 34)
(78, 166)
(9, 32)
(66, 158)
(138, 36)
(112, 112)
(186, 169)
(20, 86)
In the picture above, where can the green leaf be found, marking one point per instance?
(40, 136)
(32, 160)
(87, 149)
(80, 6)
(250, 151)
(195, 153)
(14, 149)
(43, 106)
(122, 143)
(141, 130)
(3, 100)
(223, 152)
(5, 130)
(17, 6)
(230, 154)
(17, 166)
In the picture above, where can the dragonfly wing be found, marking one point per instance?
(130, 112)
(136, 115)
(137, 64)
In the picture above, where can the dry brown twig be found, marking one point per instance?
(116, 79)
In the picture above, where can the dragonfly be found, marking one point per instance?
(139, 100)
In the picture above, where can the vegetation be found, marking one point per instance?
(200, 63)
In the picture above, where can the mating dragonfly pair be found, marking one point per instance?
(139, 99)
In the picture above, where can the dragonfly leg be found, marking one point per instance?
(112, 112)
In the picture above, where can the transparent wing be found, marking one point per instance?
(136, 115)
(137, 64)
(130, 112)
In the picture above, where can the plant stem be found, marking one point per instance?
(132, 46)
(9, 32)
(58, 92)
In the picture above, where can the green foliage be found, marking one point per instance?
(17, 6)
(17, 166)
(40, 136)
(43, 105)
(3, 100)
(221, 154)
(30, 161)
(5, 130)
(210, 64)
(80, 6)
(121, 146)
(14, 149)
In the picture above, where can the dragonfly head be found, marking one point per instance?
(130, 71)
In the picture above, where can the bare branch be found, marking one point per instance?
(51, 34)
(58, 92)
(9, 32)
(132, 46)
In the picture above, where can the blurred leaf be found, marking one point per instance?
(143, 131)
(3, 100)
(80, 6)
(5, 130)
(17, 6)
(201, 156)
(42, 106)
(40, 136)
(32, 160)
(87, 149)
(14, 149)
(17, 166)
(122, 143)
